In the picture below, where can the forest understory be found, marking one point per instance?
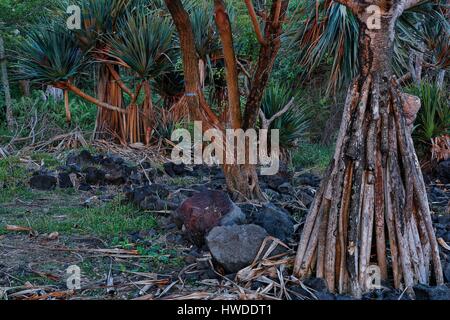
(120, 230)
(136, 138)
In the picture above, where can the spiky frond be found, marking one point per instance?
(50, 55)
(99, 19)
(206, 37)
(328, 32)
(141, 43)
(294, 123)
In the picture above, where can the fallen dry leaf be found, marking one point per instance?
(53, 235)
(443, 244)
(18, 228)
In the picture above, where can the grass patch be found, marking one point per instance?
(313, 156)
(106, 222)
(46, 159)
(184, 181)
(13, 177)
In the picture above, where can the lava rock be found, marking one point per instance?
(446, 236)
(447, 272)
(153, 203)
(308, 179)
(305, 198)
(275, 221)
(84, 187)
(443, 171)
(173, 169)
(200, 170)
(272, 194)
(285, 188)
(64, 180)
(43, 182)
(274, 181)
(138, 195)
(235, 247)
(445, 220)
(94, 176)
(204, 211)
(135, 177)
(116, 176)
(107, 162)
(424, 292)
(84, 158)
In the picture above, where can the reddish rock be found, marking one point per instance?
(411, 108)
(204, 211)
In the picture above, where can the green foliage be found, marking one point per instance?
(142, 43)
(110, 220)
(327, 35)
(203, 26)
(50, 115)
(99, 19)
(49, 55)
(336, 43)
(16, 16)
(294, 124)
(313, 156)
(45, 159)
(433, 119)
(165, 124)
(12, 177)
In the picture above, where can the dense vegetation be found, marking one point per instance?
(136, 70)
(138, 39)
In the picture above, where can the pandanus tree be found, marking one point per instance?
(241, 179)
(140, 45)
(98, 20)
(52, 56)
(372, 200)
(282, 110)
(328, 31)
(126, 61)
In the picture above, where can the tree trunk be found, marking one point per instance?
(267, 55)
(5, 84)
(109, 123)
(242, 180)
(67, 107)
(373, 197)
(25, 87)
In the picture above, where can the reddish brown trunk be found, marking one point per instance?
(67, 106)
(267, 55)
(109, 123)
(226, 36)
(242, 180)
(374, 186)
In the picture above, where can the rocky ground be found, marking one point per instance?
(148, 231)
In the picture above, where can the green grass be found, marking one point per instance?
(313, 156)
(13, 177)
(106, 222)
(184, 181)
(46, 159)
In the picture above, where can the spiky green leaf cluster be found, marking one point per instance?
(294, 124)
